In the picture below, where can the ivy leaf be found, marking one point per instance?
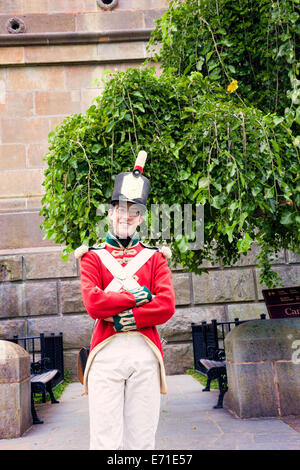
(228, 230)
(229, 186)
(203, 182)
(286, 218)
(244, 244)
(200, 63)
(139, 106)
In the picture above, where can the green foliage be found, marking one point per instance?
(204, 145)
(202, 378)
(202, 149)
(58, 390)
(253, 42)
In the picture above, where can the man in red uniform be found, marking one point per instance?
(127, 289)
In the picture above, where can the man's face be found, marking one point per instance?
(125, 219)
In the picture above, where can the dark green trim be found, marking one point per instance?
(112, 240)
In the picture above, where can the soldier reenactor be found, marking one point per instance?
(127, 289)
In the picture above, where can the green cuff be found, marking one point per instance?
(142, 295)
(124, 321)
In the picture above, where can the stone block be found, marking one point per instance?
(11, 268)
(226, 285)
(181, 282)
(8, 328)
(263, 375)
(11, 299)
(12, 7)
(247, 311)
(35, 155)
(16, 183)
(55, 121)
(262, 340)
(55, 102)
(67, 6)
(88, 98)
(11, 55)
(151, 15)
(36, 23)
(143, 4)
(251, 390)
(117, 51)
(58, 54)
(33, 203)
(290, 277)
(70, 362)
(15, 395)
(34, 6)
(21, 230)
(71, 300)
(22, 131)
(49, 264)
(178, 358)
(12, 156)
(10, 203)
(288, 377)
(14, 365)
(35, 78)
(81, 77)
(41, 298)
(18, 105)
(77, 329)
(107, 22)
(178, 328)
(293, 257)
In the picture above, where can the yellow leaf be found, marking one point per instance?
(233, 86)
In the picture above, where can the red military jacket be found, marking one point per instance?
(154, 274)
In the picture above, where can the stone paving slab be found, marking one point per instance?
(187, 422)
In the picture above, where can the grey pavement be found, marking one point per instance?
(187, 422)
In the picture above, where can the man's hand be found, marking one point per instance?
(142, 296)
(109, 319)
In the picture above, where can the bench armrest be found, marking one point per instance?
(43, 365)
(216, 354)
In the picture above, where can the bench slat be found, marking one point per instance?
(209, 363)
(45, 377)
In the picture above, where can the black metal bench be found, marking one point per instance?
(46, 368)
(209, 352)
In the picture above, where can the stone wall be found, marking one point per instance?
(41, 293)
(47, 73)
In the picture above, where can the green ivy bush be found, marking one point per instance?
(255, 42)
(202, 148)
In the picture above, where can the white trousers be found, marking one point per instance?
(124, 395)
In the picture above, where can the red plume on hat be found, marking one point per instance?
(132, 186)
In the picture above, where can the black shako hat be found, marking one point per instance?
(132, 186)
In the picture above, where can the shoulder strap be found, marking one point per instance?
(132, 267)
(122, 275)
(110, 263)
(138, 261)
